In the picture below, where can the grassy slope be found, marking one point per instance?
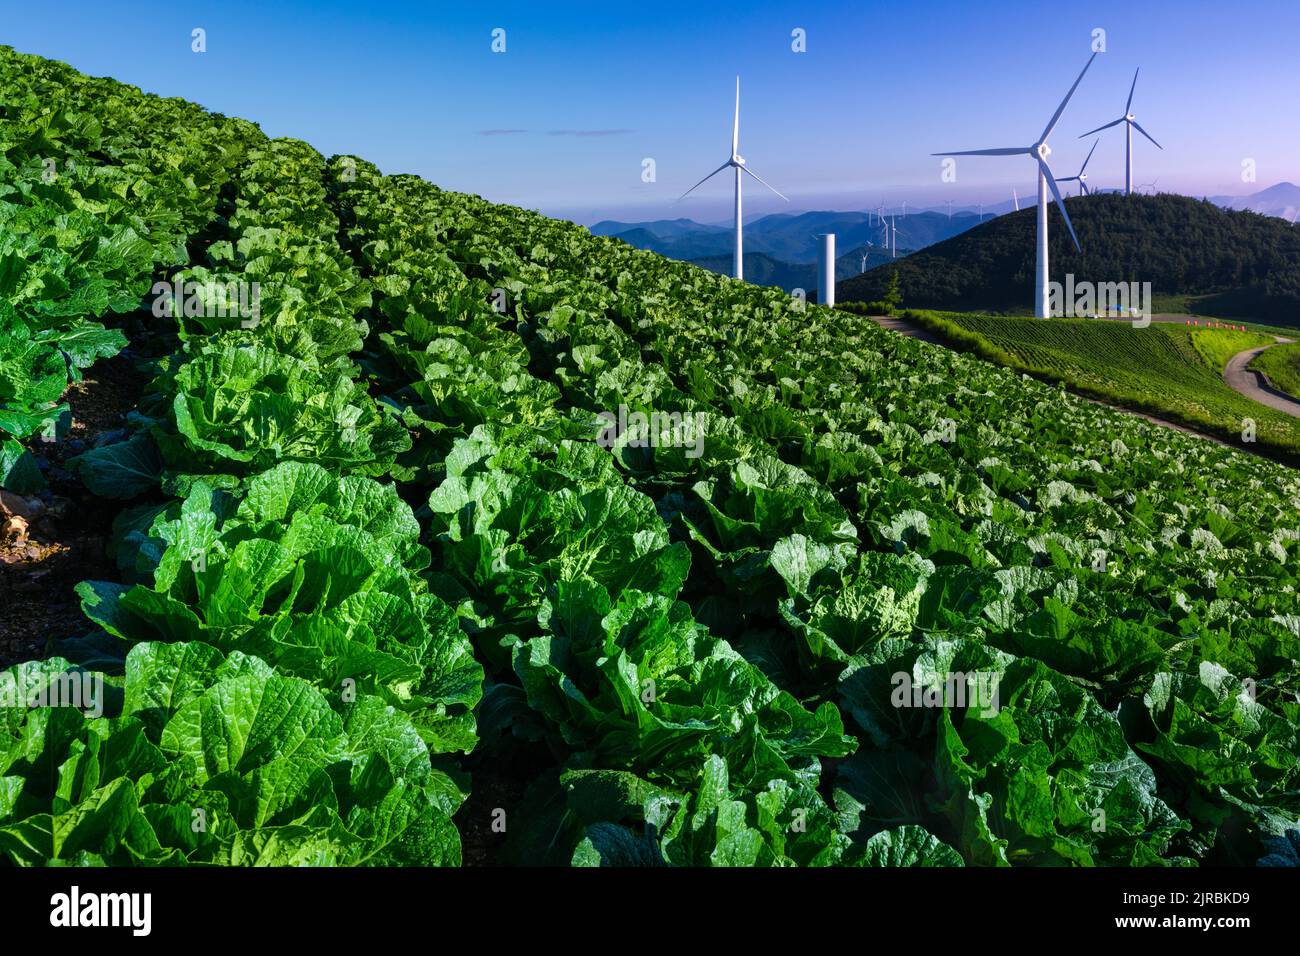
(1281, 366)
(1166, 370)
(1218, 346)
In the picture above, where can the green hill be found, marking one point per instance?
(1220, 262)
(1166, 370)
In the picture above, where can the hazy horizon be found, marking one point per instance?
(583, 94)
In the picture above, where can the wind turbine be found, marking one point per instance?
(736, 162)
(1015, 199)
(866, 255)
(891, 238)
(949, 210)
(1040, 151)
(1130, 124)
(1082, 177)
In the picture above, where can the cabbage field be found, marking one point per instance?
(389, 588)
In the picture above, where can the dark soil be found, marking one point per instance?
(65, 543)
(497, 782)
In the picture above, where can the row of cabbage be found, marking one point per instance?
(288, 673)
(864, 506)
(90, 208)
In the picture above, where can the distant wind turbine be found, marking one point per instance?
(866, 255)
(949, 209)
(1130, 124)
(736, 162)
(1040, 151)
(891, 238)
(1082, 177)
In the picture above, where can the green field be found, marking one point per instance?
(1281, 366)
(381, 575)
(1166, 370)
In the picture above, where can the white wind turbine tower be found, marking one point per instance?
(891, 238)
(949, 210)
(1040, 151)
(1082, 177)
(736, 162)
(1130, 124)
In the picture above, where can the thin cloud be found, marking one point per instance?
(501, 132)
(588, 132)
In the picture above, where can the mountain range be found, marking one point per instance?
(1281, 200)
(787, 237)
(762, 269)
(781, 249)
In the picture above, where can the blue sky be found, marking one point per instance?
(589, 90)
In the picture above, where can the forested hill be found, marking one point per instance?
(1242, 263)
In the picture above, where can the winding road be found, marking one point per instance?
(1254, 385)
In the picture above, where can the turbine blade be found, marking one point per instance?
(1068, 179)
(1128, 107)
(1084, 187)
(1008, 151)
(1145, 133)
(1051, 125)
(1056, 194)
(764, 182)
(703, 181)
(1100, 128)
(735, 127)
(1090, 152)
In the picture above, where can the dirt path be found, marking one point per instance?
(1254, 385)
(61, 539)
(906, 328)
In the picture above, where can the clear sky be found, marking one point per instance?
(584, 92)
